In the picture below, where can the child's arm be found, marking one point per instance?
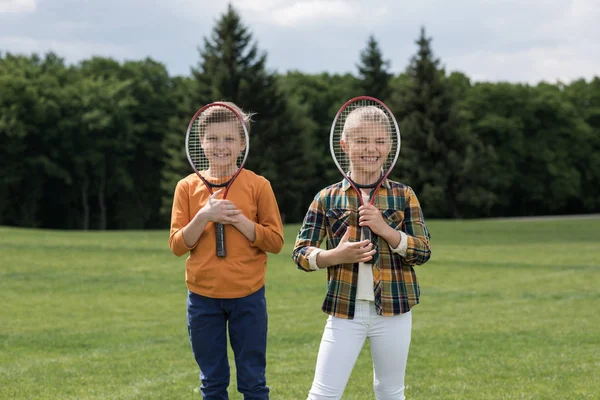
(310, 237)
(180, 218)
(307, 253)
(246, 227)
(418, 249)
(193, 230)
(371, 216)
(267, 233)
(186, 231)
(346, 252)
(215, 210)
(413, 243)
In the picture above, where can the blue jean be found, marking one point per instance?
(245, 319)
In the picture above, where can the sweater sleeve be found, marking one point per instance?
(180, 217)
(269, 228)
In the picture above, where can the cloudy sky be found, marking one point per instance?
(489, 40)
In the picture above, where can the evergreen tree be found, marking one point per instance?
(441, 160)
(175, 159)
(374, 78)
(231, 68)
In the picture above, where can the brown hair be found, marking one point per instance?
(216, 114)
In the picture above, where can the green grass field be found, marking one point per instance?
(510, 310)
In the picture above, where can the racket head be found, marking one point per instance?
(217, 144)
(365, 142)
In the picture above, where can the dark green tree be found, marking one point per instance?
(585, 96)
(549, 180)
(494, 117)
(440, 158)
(154, 104)
(320, 96)
(176, 164)
(104, 149)
(231, 68)
(30, 136)
(373, 72)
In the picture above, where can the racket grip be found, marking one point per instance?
(220, 231)
(368, 235)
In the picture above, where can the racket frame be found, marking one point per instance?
(366, 232)
(219, 228)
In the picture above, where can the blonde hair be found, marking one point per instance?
(365, 114)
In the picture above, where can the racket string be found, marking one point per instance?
(217, 144)
(365, 139)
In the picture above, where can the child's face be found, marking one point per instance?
(222, 144)
(367, 145)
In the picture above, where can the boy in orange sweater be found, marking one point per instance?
(227, 293)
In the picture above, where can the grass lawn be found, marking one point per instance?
(510, 310)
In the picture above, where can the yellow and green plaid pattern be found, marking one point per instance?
(333, 211)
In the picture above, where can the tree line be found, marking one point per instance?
(100, 144)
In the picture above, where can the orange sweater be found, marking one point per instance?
(243, 270)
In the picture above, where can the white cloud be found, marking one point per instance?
(315, 11)
(17, 6)
(560, 63)
(201, 11)
(514, 40)
(301, 13)
(261, 5)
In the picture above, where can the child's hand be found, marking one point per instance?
(352, 252)
(221, 211)
(370, 216)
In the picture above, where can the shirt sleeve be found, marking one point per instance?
(310, 237)
(180, 217)
(312, 259)
(418, 249)
(269, 228)
(402, 246)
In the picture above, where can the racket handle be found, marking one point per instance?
(368, 235)
(220, 231)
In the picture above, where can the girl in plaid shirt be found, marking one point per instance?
(364, 300)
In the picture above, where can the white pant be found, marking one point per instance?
(342, 342)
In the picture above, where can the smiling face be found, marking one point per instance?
(222, 145)
(366, 140)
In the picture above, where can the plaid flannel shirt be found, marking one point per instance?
(333, 211)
